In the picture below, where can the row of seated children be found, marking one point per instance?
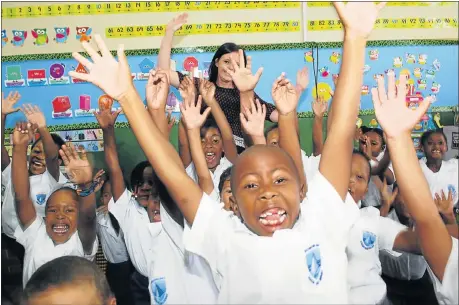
(194, 251)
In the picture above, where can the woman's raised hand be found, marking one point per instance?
(242, 74)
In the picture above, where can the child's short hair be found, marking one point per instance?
(225, 176)
(426, 135)
(375, 130)
(57, 140)
(358, 152)
(66, 270)
(62, 187)
(137, 173)
(270, 128)
(209, 123)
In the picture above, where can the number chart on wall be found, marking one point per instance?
(432, 70)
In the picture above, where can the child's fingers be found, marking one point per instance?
(82, 76)
(101, 45)
(381, 89)
(82, 60)
(376, 101)
(437, 197)
(391, 90)
(199, 103)
(450, 196)
(206, 112)
(244, 121)
(401, 88)
(258, 73)
(241, 60)
(122, 57)
(91, 52)
(36, 108)
(73, 152)
(64, 157)
(116, 114)
(235, 65)
(83, 155)
(394, 194)
(443, 196)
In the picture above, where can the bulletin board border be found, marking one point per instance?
(301, 115)
(260, 47)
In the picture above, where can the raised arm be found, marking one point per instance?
(7, 108)
(164, 56)
(397, 121)
(286, 99)
(35, 116)
(115, 79)
(207, 91)
(79, 171)
(107, 121)
(358, 19)
(157, 106)
(22, 136)
(318, 107)
(253, 122)
(187, 90)
(193, 120)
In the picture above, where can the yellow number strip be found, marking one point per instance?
(389, 3)
(103, 8)
(205, 28)
(384, 23)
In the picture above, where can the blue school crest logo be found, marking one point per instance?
(41, 198)
(452, 189)
(314, 263)
(159, 291)
(368, 240)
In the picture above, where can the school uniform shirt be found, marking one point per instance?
(445, 179)
(446, 290)
(310, 165)
(373, 195)
(303, 265)
(224, 164)
(370, 234)
(401, 265)
(40, 248)
(112, 243)
(156, 250)
(40, 188)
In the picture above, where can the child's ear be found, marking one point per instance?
(302, 192)
(111, 301)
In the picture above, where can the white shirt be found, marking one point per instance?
(373, 195)
(370, 234)
(402, 265)
(445, 179)
(157, 252)
(40, 188)
(310, 165)
(447, 291)
(306, 264)
(112, 243)
(224, 164)
(40, 248)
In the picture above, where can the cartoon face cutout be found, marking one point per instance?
(398, 63)
(374, 54)
(4, 38)
(335, 57)
(422, 84)
(365, 90)
(18, 38)
(417, 72)
(83, 33)
(422, 59)
(62, 34)
(410, 58)
(324, 71)
(41, 36)
(435, 87)
(308, 56)
(430, 73)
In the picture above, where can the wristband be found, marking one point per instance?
(89, 190)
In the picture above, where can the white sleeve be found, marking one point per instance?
(402, 265)
(446, 290)
(27, 237)
(119, 209)
(191, 172)
(209, 232)
(387, 232)
(324, 204)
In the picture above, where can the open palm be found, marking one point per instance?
(187, 89)
(23, 133)
(391, 110)
(106, 118)
(242, 75)
(284, 95)
(34, 115)
(113, 77)
(157, 89)
(177, 22)
(77, 167)
(358, 18)
(191, 114)
(253, 119)
(207, 91)
(9, 102)
(319, 107)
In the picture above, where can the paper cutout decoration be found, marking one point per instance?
(436, 65)
(18, 38)
(365, 90)
(335, 57)
(85, 107)
(417, 72)
(61, 107)
(335, 77)
(36, 77)
(308, 56)
(41, 37)
(398, 63)
(105, 102)
(145, 66)
(172, 103)
(62, 34)
(437, 118)
(4, 38)
(422, 59)
(410, 58)
(205, 69)
(324, 90)
(430, 73)
(80, 69)
(190, 63)
(56, 75)
(366, 69)
(324, 72)
(422, 84)
(373, 54)
(435, 87)
(373, 123)
(83, 33)
(14, 77)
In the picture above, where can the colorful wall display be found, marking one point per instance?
(432, 70)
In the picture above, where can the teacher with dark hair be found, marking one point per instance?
(221, 73)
